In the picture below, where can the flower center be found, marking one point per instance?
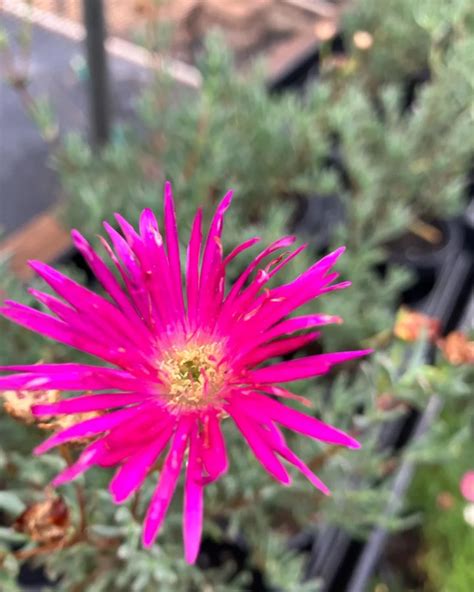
(194, 376)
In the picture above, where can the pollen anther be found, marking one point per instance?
(194, 376)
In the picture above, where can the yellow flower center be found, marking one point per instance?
(194, 376)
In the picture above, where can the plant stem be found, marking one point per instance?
(80, 496)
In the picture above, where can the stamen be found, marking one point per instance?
(193, 375)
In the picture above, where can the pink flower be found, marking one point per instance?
(179, 361)
(467, 486)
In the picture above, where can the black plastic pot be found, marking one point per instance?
(412, 87)
(468, 223)
(304, 68)
(442, 286)
(32, 579)
(425, 259)
(451, 302)
(348, 565)
(214, 554)
(72, 257)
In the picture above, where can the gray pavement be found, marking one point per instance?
(28, 184)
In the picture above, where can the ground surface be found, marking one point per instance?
(278, 29)
(274, 29)
(28, 185)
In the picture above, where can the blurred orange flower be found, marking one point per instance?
(411, 325)
(457, 349)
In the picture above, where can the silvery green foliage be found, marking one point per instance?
(406, 35)
(396, 167)
(245, 508)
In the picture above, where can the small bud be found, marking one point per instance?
(445, 501)
(46, 521)
(363, 40)
(387, 402)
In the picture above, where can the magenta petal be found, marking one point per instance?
(192, 268)
(88, 403)
(304, 367)
(340, 286)
(211, 285)
(112, 458)
(131, 271)
(193, 501)
(37, 321)
(285, 299)
(56, 329)
(157, 271)
(109, 283)
(172, 244)
(278, 348)
(109, 344)
(260, 407)
(128, 257)
(466, 486)
(215, 232)
(82, 299)
(141, 429)
(324, 264)
(321, 267)
(58, 307)
(88, 457)
(131, 235)
(88, 428)
(300, 323)
(281, 243)
(260, 448)
(133, 472)
(167, 483)
(292, 458)
(284, 262)
(241, 248)
(277, 441)
(73, 377)
(213, 449)
(279, 391)
(138, 427)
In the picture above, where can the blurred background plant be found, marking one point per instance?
(376, 149)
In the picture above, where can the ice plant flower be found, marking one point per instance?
(178, 360)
